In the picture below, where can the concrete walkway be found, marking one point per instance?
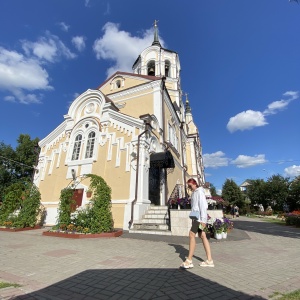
(255, 261)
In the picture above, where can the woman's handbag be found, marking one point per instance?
(194, 215)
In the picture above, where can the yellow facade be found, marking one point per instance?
(115, 132)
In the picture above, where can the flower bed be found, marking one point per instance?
(14, 229)
(76, 235)
(293, 218)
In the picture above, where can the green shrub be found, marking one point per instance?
(12, 200)
(21, 205)
(293, 220)
(96, 217)
(30, 209)
(100, 211)
(65, 203)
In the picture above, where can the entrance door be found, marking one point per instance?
(154, 185)
(77, 196)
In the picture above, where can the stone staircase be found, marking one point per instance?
(154, 221)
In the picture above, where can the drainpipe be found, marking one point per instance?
(137, 172)
(182, 159)
(163, 86)
(196, 143)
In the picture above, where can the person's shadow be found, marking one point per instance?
(183, 252)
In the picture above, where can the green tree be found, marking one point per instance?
(213, 190)
(277, 191)
(30, 208)
(17, 165)
(294, 194)
(232, 193)
(26, 153)
(12, 200)
(7, 167)
(256, 192)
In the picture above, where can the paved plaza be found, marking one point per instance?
(256, 260)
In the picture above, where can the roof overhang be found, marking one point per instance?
(162, 160)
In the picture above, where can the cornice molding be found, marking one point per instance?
(134, 90)
(54, 134)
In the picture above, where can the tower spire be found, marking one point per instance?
(156, 40)
(187, 104)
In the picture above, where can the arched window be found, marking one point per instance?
(90, 145)
(167, 68)
(77, 146)
(151, 68)
(118, 83)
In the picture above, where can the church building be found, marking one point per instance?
(135, 131)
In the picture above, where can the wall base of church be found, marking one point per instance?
(139, 210)
(181, 223)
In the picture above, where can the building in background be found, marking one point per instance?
(135, 131)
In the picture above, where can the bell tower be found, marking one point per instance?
(157, 61)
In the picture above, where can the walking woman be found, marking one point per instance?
(198, 203)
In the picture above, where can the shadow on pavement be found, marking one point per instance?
(137, 284)
(265, 227)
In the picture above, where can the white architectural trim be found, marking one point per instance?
(134, 90)
(53, 135)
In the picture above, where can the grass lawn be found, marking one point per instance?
(7, 284)
(276, 221)
(289, 296)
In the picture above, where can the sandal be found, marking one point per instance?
(207, 263)
(187, 264)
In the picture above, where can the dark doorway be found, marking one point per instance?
(77, 196)
(154, 185)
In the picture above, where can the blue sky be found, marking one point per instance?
(240, 65)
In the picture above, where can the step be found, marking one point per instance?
(158, 207)
(154, 221)
(156, 211)
(158, 232)
(150, 226)
(160, 216)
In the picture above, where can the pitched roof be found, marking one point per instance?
(245, 183)
(150, 78)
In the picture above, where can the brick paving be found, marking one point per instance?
(256, 260)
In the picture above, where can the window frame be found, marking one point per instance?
(77, 147)
(90, 145)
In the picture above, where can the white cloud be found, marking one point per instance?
(244, 161)
(293, 94)
(249, 119)
(79, 43)
(86, 3)
(292, 171)
(215, 160)
(121, 47)
(107, 12)
(48, 48)
(23, 75)
(279, 105)
(275, 106)
(246, 120)
(10, 98)
(19, 73)
(64, 26)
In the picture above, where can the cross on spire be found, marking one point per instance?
(156, 40)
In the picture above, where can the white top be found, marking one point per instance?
(199, 203)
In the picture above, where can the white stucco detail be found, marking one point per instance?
(86, 169)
